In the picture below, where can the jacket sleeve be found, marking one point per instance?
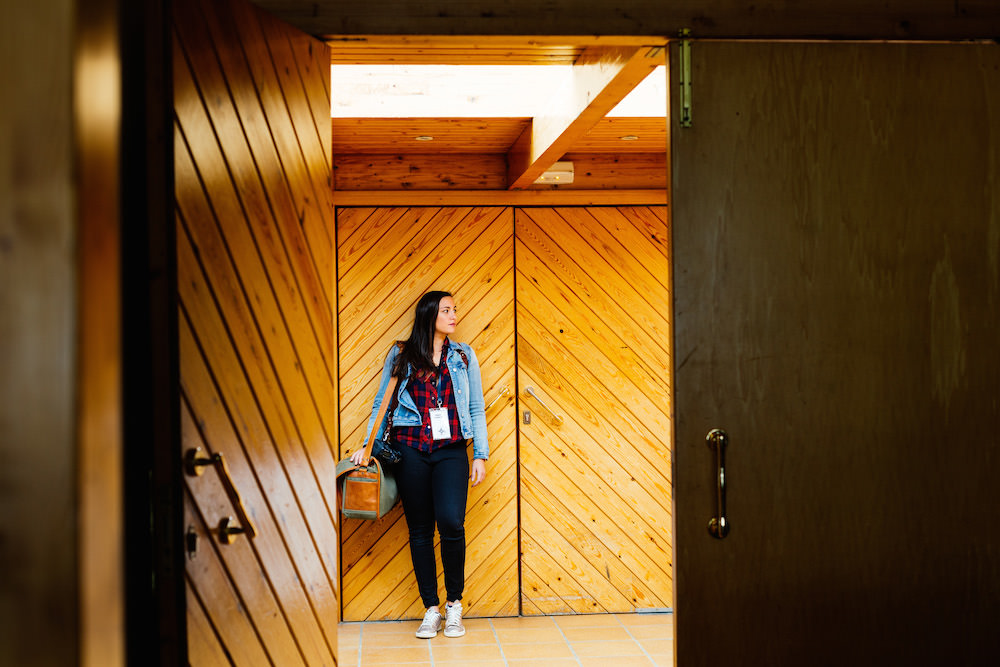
(477, 407)
(390, 361)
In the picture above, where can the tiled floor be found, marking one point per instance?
(595, 640)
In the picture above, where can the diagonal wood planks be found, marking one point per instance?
(386, 259)
(593, 343)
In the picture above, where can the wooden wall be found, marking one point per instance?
(488, 171)
(898, 19)
(258, 366)
(565, 511)
(387, 258)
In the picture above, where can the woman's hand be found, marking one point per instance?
(358, 458)
(478, 471)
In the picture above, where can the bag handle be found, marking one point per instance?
(390, 390)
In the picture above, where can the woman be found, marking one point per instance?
(439, 407)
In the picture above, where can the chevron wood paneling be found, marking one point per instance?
(593, 342)
(386, 259)
(258, 369)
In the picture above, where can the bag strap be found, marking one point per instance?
(390, 390)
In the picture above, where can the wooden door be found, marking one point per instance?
(387, 258)
(593, 352)
(258, 369)
(836, 240)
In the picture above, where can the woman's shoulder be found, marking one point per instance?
(463, 350)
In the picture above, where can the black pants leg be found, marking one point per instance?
(434, 489)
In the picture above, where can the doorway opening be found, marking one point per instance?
(553, 193)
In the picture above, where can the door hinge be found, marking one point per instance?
(685, 77)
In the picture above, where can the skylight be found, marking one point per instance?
(480, 91)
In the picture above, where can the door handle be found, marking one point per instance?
(531, 391)
(503, 392)
(194, 464)
(718, 525)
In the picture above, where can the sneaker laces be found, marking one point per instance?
(431, 618)
(453, 614)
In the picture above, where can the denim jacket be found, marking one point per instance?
(468, 387)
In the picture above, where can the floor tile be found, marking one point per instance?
(472, 636)
(587, 621)
(537, 650)
(651, 631)
(596, 633)
(453, 653)
(523, 622)
(529, 635)
(657, 645)
(645, 619)
(394, 656)
(609, 649)
(595, 640)
(619, 661)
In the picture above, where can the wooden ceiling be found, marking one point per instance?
(607, 69)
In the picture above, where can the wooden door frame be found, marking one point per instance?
(152, 475)
(155, 632)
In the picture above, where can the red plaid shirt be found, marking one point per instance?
(423, 387)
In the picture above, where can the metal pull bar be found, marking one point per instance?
(718, 525)
(503, 392)
(531, 391)
(194, 464)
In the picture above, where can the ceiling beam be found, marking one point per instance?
(602, 77)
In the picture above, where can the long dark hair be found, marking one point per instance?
(418, 350)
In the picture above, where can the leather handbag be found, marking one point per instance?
(368, 492)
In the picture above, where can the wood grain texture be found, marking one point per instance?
(611, 171)
(369, 198)
(387, 258)
(836, 242)
(427, 171)
(375, 50)
(487, 172)
(593, 343)
(451, 135)
(258, 368)
(601, 78)
(837, 19)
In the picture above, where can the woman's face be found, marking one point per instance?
(447, 317)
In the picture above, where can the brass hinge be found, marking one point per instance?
(685, 77)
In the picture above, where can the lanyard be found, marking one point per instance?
(439, 383)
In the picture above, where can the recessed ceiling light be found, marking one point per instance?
(630, 137)
(424, 137)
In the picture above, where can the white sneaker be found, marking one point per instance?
(430, 625)
(453, 620)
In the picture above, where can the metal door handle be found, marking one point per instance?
(194, 464)
(503, 392)
(718, 526)
(531, 391)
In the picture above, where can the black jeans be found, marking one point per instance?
(434, 487)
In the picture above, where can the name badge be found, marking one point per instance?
(440, 430)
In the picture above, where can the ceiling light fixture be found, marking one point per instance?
(559, 173)
(630, 137)
(424, 137)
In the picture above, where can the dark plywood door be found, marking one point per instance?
(386, 259)
(593, 354)
(258, 369)
(837, 253)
